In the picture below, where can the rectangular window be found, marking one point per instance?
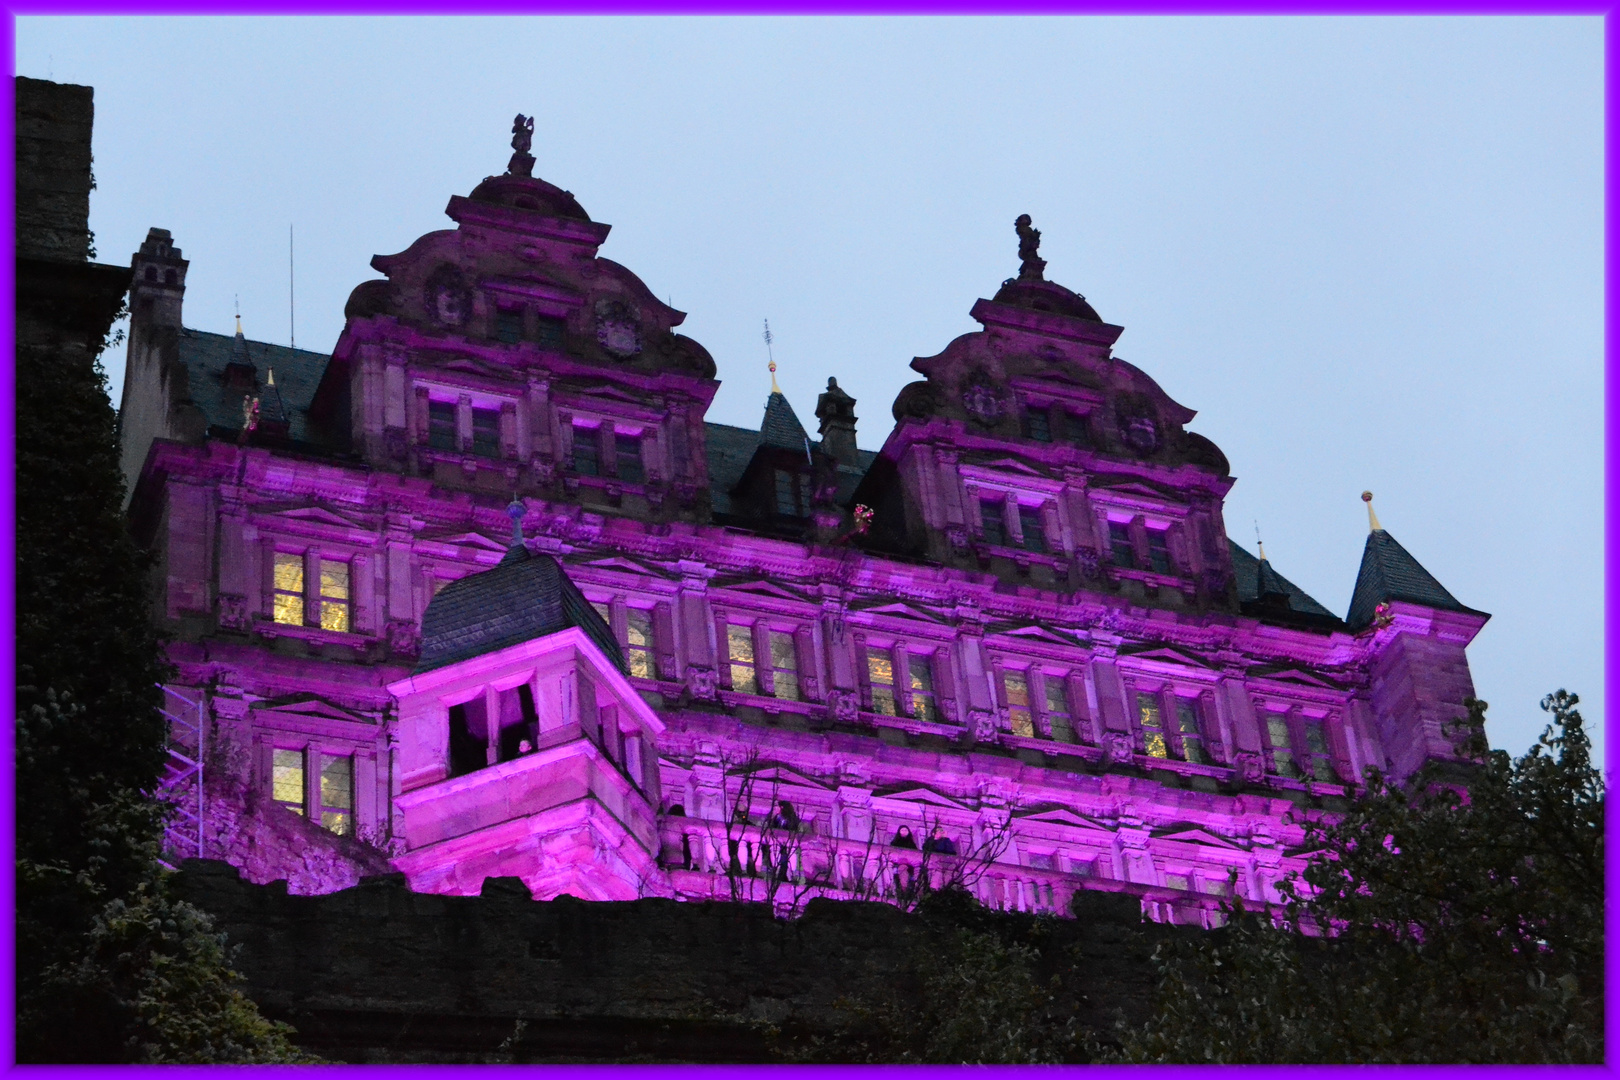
(1147, 714)
(1077, 430)
(287, 779)
(1316, 743)
(1119, 544)
(1029, 520)
(784, 666)
(1159, 551)
(1016, 685)
(334, 595)
(993, 514)
(486, 432)
(740, 645)
(1038, 424)
(509, 324)
(585, 451)
(880, 673)
(627, 458)
(1058, 717)
(923, 704)
(337, 794)
(1192, 739)
(549, 330)
(1282, 752)
(639, 646)
(603, 609)
(442, 425)
(288, 604)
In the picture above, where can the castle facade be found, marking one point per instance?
(482, 594)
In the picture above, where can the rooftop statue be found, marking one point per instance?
(1029, 243)
(522, 163)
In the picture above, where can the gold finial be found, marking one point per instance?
(1261, 544)
(769, 337)
(239, 326)
(1372, 517)
(774, 388)
(270, 380)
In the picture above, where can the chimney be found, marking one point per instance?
(836, 411)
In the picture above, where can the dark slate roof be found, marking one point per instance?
(1388, 572)
(1246, 568)
(781, 425)
(298, 372)
(730, 449)
(525, 596)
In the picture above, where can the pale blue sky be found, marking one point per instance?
(1367, 251)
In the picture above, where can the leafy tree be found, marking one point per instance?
(1464, 919)
(109, 968)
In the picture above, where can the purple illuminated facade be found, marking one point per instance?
(1038, 644)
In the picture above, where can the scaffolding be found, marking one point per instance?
(182, 783)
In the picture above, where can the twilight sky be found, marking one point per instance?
(1367, 251)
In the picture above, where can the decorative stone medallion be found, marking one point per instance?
(982, 398)
(448, 299)
(616, 331)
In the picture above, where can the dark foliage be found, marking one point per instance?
(1466, 926)
(108, 967)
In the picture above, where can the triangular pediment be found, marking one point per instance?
(1061, 815)
(310, 706)
(318, 514)
(755, 587)
(606, 391)
(469, 366)
(463, 539)
(1032, 633)
(1167, 654)
(1192, 834)
(765, 776)
(1297, 676)
(619, 562)
(897, 608)
(1139, 489)
(922, 795)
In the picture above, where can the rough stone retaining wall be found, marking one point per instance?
(377, 973)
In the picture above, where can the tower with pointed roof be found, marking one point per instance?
(1019, 622)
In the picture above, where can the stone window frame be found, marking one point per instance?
(609, 428)
(1169, 692)
(660, 612)
(352, 555)
(1076, 415)
(905, 650)
(1142, 524)
(1071, 679)
(506, 406)
(760, 626)
(313, 755)
(1016, 498)
(1296, 714)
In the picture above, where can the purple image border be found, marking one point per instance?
(799, 7)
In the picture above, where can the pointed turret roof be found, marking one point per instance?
(1388, 572)
(781, 427)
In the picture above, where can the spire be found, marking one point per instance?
(1372, 517)
(781, 425)
(1388, 572)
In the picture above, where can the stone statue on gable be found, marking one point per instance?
(522, 163)
(1031, 265)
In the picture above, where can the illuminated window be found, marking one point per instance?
(334, 595)
(923, 705)
(639, 646)
(442, 425)
(993, 512)
(486, 432)
(880, 673)
(1192, 740)
(287, 779)
(1282, 752)
(1159, 551)
(784, 666)
(1316, 743)
(1038, 424)
(1029, 520)
(585, 451)
(337, 794)
(1119, 544)
(1058, 717)
(1019, 718)
(1147, 714)
(627, 459)
(509, 324)
(288, 604)
(740, 644)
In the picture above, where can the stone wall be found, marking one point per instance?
(53, 169)
(377, 973)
